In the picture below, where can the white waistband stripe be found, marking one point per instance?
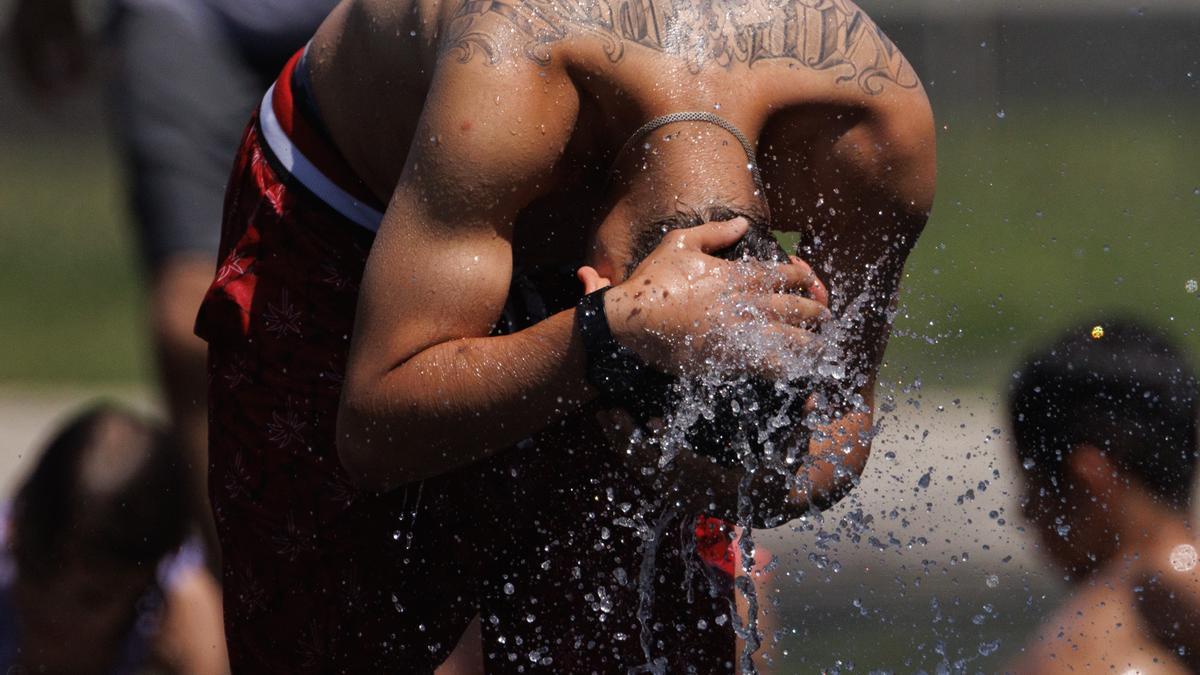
(309, 175)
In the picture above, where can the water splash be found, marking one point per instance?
(769, 444)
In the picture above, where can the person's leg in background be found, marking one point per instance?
(177, 286)
(181, 98)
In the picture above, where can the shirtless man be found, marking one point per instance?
(1106, 430)
(493, 132)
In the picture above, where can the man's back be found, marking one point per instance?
(779, 71)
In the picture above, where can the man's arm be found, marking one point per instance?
(427, 390)
(860, 200)
(192, 638)
(423, 380)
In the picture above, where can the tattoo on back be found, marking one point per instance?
(833, 35)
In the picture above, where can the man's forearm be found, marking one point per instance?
(457, 402)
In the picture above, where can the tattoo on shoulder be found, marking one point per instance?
(833, 35)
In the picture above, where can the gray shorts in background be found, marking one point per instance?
(182, 94)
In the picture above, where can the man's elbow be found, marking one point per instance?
(365, 448)
(828, 477)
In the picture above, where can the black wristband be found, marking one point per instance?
(612, 368)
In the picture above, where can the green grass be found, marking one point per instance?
(70, 285)
(1042, 218)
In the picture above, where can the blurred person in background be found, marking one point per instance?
(187, 76)
(1104, 421)
(95, 574)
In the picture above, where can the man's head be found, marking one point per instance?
(105, 502)
(622, 242)
(716, 413)
(1101, 417)
(757, 244)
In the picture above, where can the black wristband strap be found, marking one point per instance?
(612, 368)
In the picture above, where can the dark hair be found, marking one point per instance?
(1119, 386)
(758, 242)
(739, 407)
(138, 515)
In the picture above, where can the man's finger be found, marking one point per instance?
(813, 286)
(715, 236)
(777, 278)
(793, 310)
(591, 279)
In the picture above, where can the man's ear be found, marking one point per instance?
(1091, 468)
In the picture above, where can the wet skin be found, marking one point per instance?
(1135, 599)
(492, 139)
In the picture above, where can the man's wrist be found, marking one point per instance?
(612, 368)
(618, 328)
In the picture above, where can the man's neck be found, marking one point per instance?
(1147, 533)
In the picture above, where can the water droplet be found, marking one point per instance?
(606, 601)
(1097, 332)
(1184, 558)
(1028, 463)
(509, 589)
(1063, 530)
(1000, 114)
(1191, 286)
(992, 581)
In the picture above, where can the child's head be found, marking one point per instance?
(105, 502)
(1099, 416)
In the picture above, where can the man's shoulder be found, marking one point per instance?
(832, 37)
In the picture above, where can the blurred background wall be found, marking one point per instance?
(1069, 186)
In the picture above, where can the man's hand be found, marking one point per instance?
(683, 307)
(49, 45)
(698, 482)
